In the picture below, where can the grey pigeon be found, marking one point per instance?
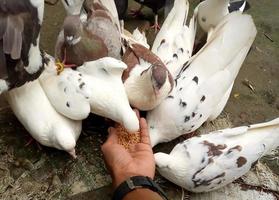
(20, 57)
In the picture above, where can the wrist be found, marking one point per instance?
(120, 177)
(135, 183)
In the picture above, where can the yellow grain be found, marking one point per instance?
(125, 138)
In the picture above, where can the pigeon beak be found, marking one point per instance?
(69, 39)
(73, 153)
(156, 91)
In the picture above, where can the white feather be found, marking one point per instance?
(34, 58)
(3, 86)
(109, 99)
(39, 4)
(33, 109)
(140, 38)
(215, 68)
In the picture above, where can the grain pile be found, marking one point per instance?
(125, 138)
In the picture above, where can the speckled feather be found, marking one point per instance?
(174, 43)
(203, 85)
(95, 87)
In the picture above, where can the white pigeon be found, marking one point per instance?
(174, 42)
(211, 12)
(211, 161)
(203, 85)
(96, 86)
(33, 109)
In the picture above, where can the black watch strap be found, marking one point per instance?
(136, 182)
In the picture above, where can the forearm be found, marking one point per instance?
(142, 193)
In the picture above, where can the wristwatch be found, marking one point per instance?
(136, 182)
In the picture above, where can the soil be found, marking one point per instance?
(44, 173)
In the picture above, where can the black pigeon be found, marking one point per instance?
(238, 5)
(155, 5)
(121, 6)
(20, 57)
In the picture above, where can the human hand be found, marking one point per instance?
(123, 163)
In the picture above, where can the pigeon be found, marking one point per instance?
(174, 42)
(204, 83)
(104, 23)
(76, 45)
(211, 161)
(20, 57)
(33, 109)
(98, 37)
(155, 5)
(95, 87)
(147, 80)
(211, 12)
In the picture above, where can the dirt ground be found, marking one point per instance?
(31, 173)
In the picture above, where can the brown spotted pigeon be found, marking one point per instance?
(213, 160)
(147, 80)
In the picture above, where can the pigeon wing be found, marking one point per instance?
(68, 94)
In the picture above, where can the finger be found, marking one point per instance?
(144, 133)
(137, 113)
(112, 137)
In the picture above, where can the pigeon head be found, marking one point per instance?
(66, 142)
(160, 76)
(72, 29)
(168, 166)
(163, 161)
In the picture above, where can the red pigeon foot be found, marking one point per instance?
(156, 27)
